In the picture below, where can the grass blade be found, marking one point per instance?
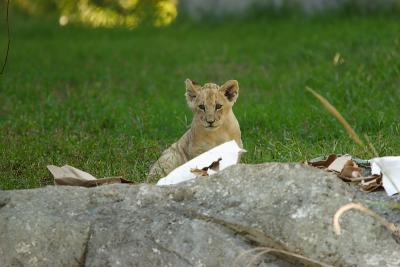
(331, 109)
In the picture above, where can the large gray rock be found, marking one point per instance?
(209, 221)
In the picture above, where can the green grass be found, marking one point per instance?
(108, 101)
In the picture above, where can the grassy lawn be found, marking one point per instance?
(108, 101)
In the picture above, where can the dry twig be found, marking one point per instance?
(336, 225)
(331, 109)
(279, 252)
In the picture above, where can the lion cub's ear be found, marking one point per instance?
(230, 89)
(191, 91)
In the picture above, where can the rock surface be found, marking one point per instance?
(209, 221)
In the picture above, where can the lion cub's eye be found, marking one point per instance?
(218, 106)
(202, 107)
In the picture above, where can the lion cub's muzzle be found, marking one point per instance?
(211, 125)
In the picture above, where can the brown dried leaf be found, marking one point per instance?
(371, 185)
(348, 170)
(358, 179)
(351, 170)
(199, 172)
(215, 165)
(323, 164)
(204, 171)
(338, 164)
(71, 181)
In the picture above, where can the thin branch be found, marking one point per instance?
(8, 36)
(280, 252)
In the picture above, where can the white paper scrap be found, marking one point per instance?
(229, 152)
(70, 172)
(390, 169)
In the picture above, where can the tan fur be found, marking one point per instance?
(204, 102)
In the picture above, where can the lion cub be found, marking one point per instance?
(213, 124)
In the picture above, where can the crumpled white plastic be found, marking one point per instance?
(229, 152)
(390, 169)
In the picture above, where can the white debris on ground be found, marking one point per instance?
(390, 169)
(228, 152)
(370, 175)
(208, 163)
(70, 172)
(71, 176)
(383, 171)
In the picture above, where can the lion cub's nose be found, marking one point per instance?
(210, 122)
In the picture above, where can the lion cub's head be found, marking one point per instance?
(211, 103)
